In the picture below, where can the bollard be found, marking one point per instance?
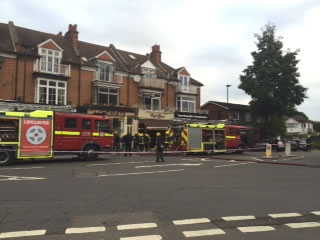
(288, 149)
(268, 150)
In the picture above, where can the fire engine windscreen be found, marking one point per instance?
(103, 126)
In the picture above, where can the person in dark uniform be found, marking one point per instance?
(309, 143)
(127, 140)
(136, 142)
(147, 140)
(160, 146)
(116, 139)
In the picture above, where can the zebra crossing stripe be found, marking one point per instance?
(148, 237)
(255, 229)
(201, 233)
(191, 221)
(284, 215)
(303, 225)
(238, 218)
(316, 213)
(22, 234)
(85, 230)
(136, 226)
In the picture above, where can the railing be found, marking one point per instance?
(112, 78)
(57, 69)
(152, 83)
(187, 89)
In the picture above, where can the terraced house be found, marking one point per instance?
(58, 71)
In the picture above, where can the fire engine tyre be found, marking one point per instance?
(90, 153)
(6, 157)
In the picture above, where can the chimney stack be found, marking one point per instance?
(156, 54)
(72, 34)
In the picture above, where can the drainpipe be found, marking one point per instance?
(79, 88)
(128, 92)
(16, 79)
(24, 77)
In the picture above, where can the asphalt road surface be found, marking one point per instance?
(225, 196)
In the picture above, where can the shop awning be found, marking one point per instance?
(155, 124)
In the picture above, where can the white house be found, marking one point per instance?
(299, 126)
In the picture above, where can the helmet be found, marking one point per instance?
(116, 132)
(158, 134)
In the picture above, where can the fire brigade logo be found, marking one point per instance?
(36, 135)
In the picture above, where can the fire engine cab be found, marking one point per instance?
(45, 134)
(201, 138)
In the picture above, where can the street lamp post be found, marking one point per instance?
(228, 85)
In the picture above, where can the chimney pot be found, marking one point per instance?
(156, 53)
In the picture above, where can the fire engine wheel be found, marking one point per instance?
(90, 153)
(5, 157)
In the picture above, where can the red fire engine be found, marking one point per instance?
(45, 134)
(240, 137)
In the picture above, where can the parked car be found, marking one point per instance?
(302, 144)
(293, 144)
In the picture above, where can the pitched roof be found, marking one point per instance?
(230, 105)
(125, 61)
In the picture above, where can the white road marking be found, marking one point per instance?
(316, 213)
(238, 218)
(200, 233)
(169, 165)
(191, 221)
(106, 164)
(17, 178)
(22, 234)
(255, 229)
(20, 168)
(231, 165)
(85, 230)
(284, 215)
(148, 237)
(138, 173)
(136, 226)
(303, 225)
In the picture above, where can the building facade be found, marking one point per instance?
(59, 72)
(233, 113)
(299, 126)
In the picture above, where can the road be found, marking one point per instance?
(226, 196)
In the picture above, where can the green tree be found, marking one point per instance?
(272, 82)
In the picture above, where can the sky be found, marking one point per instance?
(212, 39)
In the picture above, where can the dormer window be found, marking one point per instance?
(149, 72)
(105, 70)
(50, 60)
(184, 80)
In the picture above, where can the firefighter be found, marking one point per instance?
(141, 142)
(116, 139)
(127, 140)
(136, 142)
(309, 143)
(147, 140)
(159, 146)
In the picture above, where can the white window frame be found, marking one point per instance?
(184, 81)
(108, 77)
(98, 91)
(189, 100)
(47, 87)
(154, 96)
(47, 65)
(235, 115)
(149, 72)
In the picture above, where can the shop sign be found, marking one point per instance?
(191, 115)
(157, 115)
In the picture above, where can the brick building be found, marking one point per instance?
(54, 71)
(238, 113)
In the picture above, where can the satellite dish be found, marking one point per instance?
(137, 78)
